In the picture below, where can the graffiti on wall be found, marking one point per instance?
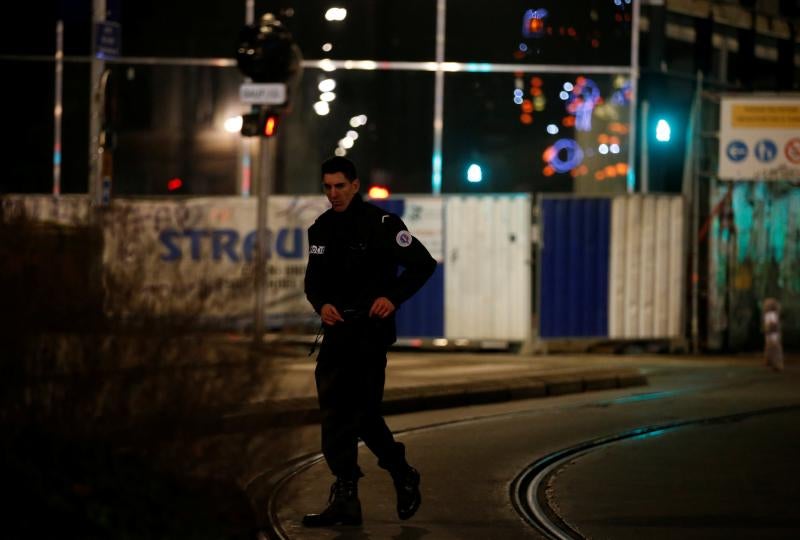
(754, 253)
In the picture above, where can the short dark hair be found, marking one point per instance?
(338, 164)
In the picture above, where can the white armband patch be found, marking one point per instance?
(404, 238)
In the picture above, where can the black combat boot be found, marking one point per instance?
(406, 484)
(343, 506)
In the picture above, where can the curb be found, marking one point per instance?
(304, 411)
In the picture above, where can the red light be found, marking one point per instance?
(270, 125)
(535, 25)
(527, 106)
(174, 183)
(378, 192)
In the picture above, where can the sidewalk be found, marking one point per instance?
(418, 381)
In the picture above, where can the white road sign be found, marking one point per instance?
(759, 138)
(263, 93)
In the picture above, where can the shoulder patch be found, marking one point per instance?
(316, 250)
(404, 238)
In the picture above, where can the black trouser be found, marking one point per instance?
(350, 376)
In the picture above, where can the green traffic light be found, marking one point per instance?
(663, 131)
(474, 173)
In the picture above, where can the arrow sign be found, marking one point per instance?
(736, 150)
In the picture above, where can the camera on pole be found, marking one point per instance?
(269, 57)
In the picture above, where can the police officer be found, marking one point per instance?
(352, 281)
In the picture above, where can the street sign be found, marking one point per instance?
(736, 150)
(108, 39)
(765, 150)
(263, 93)
(792, 150)
(758, 138)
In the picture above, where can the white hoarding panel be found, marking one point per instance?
(616, 287)
(179, 257)
(193, 258)
(487, 267)
(646, 282)
(64, 210)
(759, 138)
(677, 267)
(633, 259)
(423, 217)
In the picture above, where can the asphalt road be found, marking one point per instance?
(718, 456)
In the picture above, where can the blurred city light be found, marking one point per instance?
(327, 85)
(663, 131)
(327, 47)
(270, 126)
(533, 23)
(346, 143)
(327, 96)
(233, 124)
(378, 192)
(335, 14)
(552, 129)
(352, 134)
(341, 152)
(359, 120)
(474, 173)
(322, 108)
(174, 184)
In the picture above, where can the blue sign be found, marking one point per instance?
(108, 39)
(765, 150)
(736, 151)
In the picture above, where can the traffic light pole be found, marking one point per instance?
(99, 10)
(266, 172)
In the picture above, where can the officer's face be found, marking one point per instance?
(339, 190)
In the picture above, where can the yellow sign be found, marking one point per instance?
(775, 115)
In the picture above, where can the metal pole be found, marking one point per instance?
(249, 11)
(58, 108)
(266, 172)
(99, 9)
(698, 129)
(245, 148)
(438, 99)
(634, 95)
(644, 158)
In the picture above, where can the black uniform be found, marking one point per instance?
(354, 257)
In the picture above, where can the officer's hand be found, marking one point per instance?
(382, 307)
(330, 315)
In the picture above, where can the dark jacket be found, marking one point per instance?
(354, 258)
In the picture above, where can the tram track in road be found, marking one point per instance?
(529, 489)
(534, 510)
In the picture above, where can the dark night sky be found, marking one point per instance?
(376, 30)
